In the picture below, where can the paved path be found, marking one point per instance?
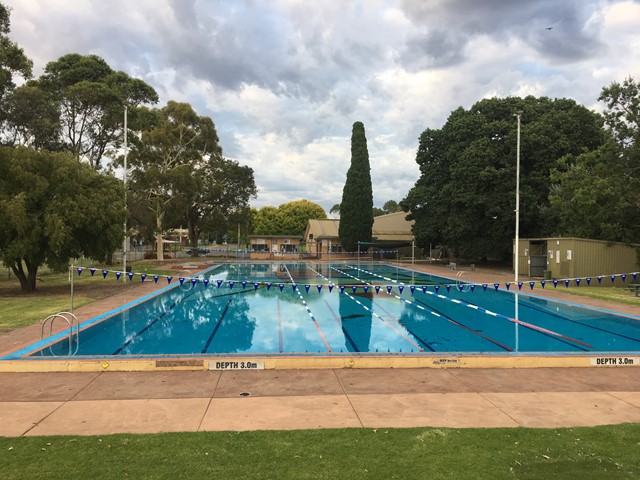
(146, 402)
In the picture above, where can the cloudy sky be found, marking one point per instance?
(284, 80)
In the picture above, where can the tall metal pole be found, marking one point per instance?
(124, 244)
(517, 241)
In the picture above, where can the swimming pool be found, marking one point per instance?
(344, 308)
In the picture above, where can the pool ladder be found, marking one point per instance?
(74, 336)
(465, 286)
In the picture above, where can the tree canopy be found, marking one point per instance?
(53, 209)
(356, 207)
(465, 196)
(288, 219)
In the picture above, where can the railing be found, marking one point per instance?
(74, 336)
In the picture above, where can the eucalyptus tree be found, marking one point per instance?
(289, 218)
(90, 98)
(52, 210)
(356, 207)
(13, 61)
(170, 159)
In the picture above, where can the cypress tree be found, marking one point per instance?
(356, 209)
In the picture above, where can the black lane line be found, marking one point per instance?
(415, 335)
(215, 330)
(540, 309)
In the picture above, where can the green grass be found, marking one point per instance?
(611, 452)
(18, 309)
(611, 294)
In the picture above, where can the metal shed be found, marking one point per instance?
(570, 257)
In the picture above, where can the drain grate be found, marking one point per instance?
(245, 394)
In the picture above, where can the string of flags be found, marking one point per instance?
(462, 287)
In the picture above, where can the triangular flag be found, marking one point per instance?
(307, 287)
(543, 283)
(366, 288)
(354, 288)
(319, 287)
(578, 282)
(105, 273)
(281, 286)
(460, 287)
(472, 287)
(599, 279)
(412, 288)
(93, 270)
(555, 283)
(389, 288)
(341, 288)
(79, 270)
(424, 289)
(330, 288)
(219, 283)
(531, 284)
(143, 277)
(588, 279)
(448, 287)
(294, 286)
(377, 288)
(508, 285)
(244, 284)
(231, 284)
(634, 275)
(169, 279)
(623, 276)
(118, 275)
(613, 278)
(400, 288)
(484, 287)
(256, 285)
(436, 288)
(496, 286)
(519, 285)
(194, 281)
(156, 278)
(130, 275)
(181, 280)
(566, 283)
(206, 282)
(268, 285)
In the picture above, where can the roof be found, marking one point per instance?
(323, 228)
(392, 227)
(254, 235)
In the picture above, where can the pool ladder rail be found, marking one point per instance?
(74, 336)
(460, 284)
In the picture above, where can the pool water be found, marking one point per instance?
(254, 309)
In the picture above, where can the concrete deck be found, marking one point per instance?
(104, 402)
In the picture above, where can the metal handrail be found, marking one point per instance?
(459, 282)
(71, 319)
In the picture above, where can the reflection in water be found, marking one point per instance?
(356, 322)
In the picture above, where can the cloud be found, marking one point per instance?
(285, 80)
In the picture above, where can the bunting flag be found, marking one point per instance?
(555, 283)
(623, 276)
(268, 286)
(366, 288)
(181, 280)
(206, 282)
(389, 288)
(105, 273)
(424, 289)
(244, 284)
(330, 288)
(634, 275)
(484, 287)
(293, 287)
(231, 284)
(281, 286)
(354, 288)
(93, 270)
(256, 285)
(118, 275)
(194, 281)
(79, 271)
(219, 283)
(169, 279)
(496, 286)
(472, 287)
(531, 285)
(543, 283)
(377, 289)
(508, 285)
(413, 289)
(577, 282)
(460, 287)
(143, 277)
(401, 288)
(130, 275)
(436, 288)
(588, 279)
(566, 283)
(319, 287)
(613, 278)
(307, 287)
(599, 279)
(341, 287)
(448, 287)
(519, 285)
(156, 278)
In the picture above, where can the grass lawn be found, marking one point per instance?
(608, 452)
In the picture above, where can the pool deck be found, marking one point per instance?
(105, 402)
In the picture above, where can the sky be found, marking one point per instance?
(284, 80)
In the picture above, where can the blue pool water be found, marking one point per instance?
(267, 315)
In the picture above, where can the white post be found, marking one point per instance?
(517, 240)
(124, 244)
(413, 252)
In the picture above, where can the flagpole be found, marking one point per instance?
(124, 244)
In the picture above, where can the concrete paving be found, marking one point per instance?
(149, 402)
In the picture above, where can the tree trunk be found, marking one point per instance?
(28, 279)
(193, 238)
(159, 244)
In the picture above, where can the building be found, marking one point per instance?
(264, 247)
(570, 257)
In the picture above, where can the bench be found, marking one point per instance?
(452, 266)
(635, 287)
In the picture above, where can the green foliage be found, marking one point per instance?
(465, 196)
(288, 219)
(391, 206)
(53, 209)
(597, 194)
(356, 208)
(13, 61)
(90, 98)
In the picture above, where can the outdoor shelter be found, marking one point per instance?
(570, 257)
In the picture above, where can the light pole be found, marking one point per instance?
(124, 244)
(518, 114)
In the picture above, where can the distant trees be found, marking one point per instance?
(53, 209)
(290, 218)
(465, 196)
(596, 194)
(356, 208)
